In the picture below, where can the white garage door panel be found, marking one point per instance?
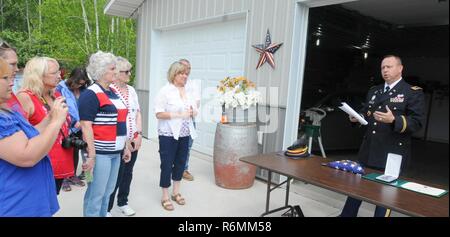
(216, 51)
(217, 62)
(236, 62)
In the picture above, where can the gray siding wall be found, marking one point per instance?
(275, 15)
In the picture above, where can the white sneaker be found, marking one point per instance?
(108, 214)
(127, 210)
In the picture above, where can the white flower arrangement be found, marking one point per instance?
(238, 91)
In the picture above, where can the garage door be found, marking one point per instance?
(215, 51)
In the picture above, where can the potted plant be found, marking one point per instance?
(238, 97)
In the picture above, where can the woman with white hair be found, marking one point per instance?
(129, 97)
(37, 95)
(103, 124)
(27, 187)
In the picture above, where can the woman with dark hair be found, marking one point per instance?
(71, 89)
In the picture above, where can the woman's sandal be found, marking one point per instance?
(167, 205)
(178, 199)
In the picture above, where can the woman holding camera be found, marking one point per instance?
(103, 122)
(27, 187)
(41, 76)
(71, 89)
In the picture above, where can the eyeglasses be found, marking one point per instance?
(5, 46)
(128, 72)
(55, 73)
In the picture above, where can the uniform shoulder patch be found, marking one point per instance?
(416, 88)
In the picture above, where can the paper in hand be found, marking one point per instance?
(346, 108)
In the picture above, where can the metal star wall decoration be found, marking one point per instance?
(267, 51)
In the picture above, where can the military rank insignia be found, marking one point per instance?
(399, 99)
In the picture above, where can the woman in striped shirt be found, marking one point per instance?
(103, 124)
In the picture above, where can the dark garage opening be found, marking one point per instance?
(344, 52)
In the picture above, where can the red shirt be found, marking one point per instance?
(61, 158)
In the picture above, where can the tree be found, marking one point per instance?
(1, 13)
(28, 20)
(62, 29)
(96, 25)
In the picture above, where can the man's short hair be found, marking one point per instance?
(399, 60)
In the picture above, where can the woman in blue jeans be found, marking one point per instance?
(103, 124)
(175, 108)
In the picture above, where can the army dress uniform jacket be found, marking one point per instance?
(407, 105)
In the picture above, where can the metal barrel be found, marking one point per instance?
(234, 141)
(235, 115)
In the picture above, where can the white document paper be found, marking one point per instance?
(346, 108)
(423, 189)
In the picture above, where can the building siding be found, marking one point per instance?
(275, 15)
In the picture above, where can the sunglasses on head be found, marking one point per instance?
(4, 45)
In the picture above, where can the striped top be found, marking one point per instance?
(108, 116)
(130, 99)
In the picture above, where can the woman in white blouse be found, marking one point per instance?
(129, 97)
(175, 108)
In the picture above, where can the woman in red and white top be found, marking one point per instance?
(103, 124)
(129, 97)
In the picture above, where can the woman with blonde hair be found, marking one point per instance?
(37, 95)
(175, 108)
(27, 186)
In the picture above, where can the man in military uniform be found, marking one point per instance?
(394, 111)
